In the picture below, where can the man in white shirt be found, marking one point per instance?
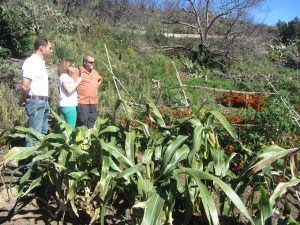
(35, 87)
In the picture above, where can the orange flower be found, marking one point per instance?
(244, 100)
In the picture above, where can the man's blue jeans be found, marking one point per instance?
(38, 112)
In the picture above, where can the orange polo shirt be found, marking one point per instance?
(87, 90)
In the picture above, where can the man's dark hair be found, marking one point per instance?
(40, 41)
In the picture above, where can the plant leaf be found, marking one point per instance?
(116, 153)
(281, 188)
(153, 210)
(129, 145)
(225, 187)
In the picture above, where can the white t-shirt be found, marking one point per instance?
(65, 99)
(34, 68)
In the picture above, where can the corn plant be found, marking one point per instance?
(151, 169)
(263, 166)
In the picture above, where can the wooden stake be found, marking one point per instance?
(115, 78)
(181, 87)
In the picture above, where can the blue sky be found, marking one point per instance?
(273, 10)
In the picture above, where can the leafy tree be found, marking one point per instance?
(21, 21)
(289, 31)
(13, 34)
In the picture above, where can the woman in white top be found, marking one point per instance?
(67, 89)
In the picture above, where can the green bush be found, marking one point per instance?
(272, 123)
(14, 35)
(4, 52)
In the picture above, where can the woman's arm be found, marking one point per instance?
(70, 88)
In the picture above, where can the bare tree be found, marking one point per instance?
(219, 23)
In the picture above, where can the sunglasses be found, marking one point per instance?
(91, 62)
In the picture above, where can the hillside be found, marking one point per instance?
(202, 129)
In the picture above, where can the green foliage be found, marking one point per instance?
(289, 31)
(4, 52)
(288, 87)
(251, 65)
(14, 34)
(142, 165)
(154, 36)
(280, 52)
(19, 25)
(11, 113)
(273, 123)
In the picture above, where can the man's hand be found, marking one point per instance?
(22, 103)
(25, 91)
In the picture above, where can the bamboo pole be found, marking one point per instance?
(119, 82)
(111, 71)
(295, 116)
(115, 78)
(181, 86)
(224, 90)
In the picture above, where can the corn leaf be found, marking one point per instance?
(109, 129)
(172, 148)
(55, 137)
(46, 155)
(132, 170)
(222, 119)
(208, 203)
(26, 176)
(116, 153)
(264, 213)
(268, 156)
(196, 174)
(178, 156)
(18, 153)
(79, 175)
(156, 113)
(34, 183)
(129, 145)
(39, 136)
(281, 188)
(197, 140)
(153, 210)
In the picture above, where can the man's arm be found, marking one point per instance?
(100, 80)
(26, 83)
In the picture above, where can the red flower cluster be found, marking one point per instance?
(233, 118)
(170, 116)
(230, 148)
(235, 166)
(123, 122)
(151, 123)
(181, 112)
(294, 138)
(243, 100)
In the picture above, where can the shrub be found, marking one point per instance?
(4, 52)
(14, 35)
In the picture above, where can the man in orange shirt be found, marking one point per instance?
(87, 92)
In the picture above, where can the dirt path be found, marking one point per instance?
(25, 212)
